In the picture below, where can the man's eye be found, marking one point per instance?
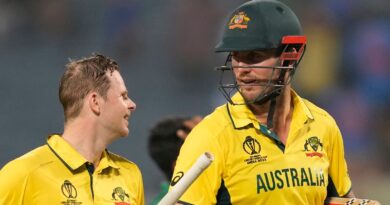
(124, 96)
(258, 57)
(251, 57)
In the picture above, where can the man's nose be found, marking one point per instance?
(131, 105)
(242, 67)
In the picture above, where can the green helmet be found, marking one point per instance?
(259, 25)
(262, 25)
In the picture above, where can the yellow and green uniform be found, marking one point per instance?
(56, 173)
(252, 166)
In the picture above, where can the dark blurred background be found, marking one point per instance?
(165, 51)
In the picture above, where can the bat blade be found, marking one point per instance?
(349, 201)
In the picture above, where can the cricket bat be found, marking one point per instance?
(188, 178)
(349, 201)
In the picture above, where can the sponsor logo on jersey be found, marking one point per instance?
(239, 20)
(177, 178)
(252, 147)
(70, 192)
(120, 196)
(289, 177)
(312, 147)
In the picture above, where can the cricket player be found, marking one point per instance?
(75, 168)
(270, 146)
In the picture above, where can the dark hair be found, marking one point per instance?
(80, 78)
(164, 144)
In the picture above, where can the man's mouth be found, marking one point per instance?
(256, 82)
(248, 82)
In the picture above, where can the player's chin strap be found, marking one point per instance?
(272, 98)
(271, 112)
(288, 54)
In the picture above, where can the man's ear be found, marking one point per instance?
(94, 102)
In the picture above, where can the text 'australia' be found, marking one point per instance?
(290, 177)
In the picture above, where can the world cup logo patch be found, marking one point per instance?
(70, 192)
(252, 147)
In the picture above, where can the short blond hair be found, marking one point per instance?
(80, 78)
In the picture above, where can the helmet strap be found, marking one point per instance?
(271, 112)
(272, 99)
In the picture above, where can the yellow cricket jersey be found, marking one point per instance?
(252, 166)
(56, 173)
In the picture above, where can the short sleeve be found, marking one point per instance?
(141, 195)
(13, 180)
(338, 170)
(204, 190)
